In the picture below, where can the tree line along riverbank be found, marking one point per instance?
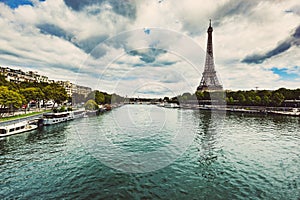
(15, 98)
(265, 98)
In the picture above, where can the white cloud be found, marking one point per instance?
(179, 27)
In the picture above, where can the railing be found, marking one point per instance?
(5, 123)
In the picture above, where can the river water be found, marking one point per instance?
(148, 152)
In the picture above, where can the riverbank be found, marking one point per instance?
(290, 112)
(287, 111)
(35, 114)
(22, 116)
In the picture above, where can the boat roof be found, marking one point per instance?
(17, 124)
(60, 113)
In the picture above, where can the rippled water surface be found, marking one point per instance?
(184, 154)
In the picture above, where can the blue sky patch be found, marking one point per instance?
(16, 3)
(286, 74)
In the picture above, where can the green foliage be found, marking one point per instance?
(261, 97)
(200, 95)
(17, 94)
(107, 98)
(277, 99)
(257, 100)
(32, 94)
(9, 85)
(62, 109)
(241, 98)
(229, 100)
(10, 99)
(184, 97)
(99, 97)
(245, 98)
(91, 105)
(56, 93)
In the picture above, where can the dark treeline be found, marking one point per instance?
(262, 97)
(99, 97)
(96, 98)
(244, 98)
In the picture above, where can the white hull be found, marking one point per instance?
(79, 114)
(171, 105)
(16, 128)
(55, 118)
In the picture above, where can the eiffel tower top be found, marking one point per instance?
(210, 29)
(209, 79)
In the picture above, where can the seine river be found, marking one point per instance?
(149, 152)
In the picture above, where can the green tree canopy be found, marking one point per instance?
(56, 93)
(32, 94)
(277, 99)
(200, 95)
(91, 105)
(99, 97)
(10, 99)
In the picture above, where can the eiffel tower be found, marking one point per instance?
(209, 81)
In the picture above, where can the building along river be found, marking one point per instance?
(150, 152)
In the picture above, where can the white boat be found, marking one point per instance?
(172, 105)
(16, 128)
(79, 113)
(55, 118)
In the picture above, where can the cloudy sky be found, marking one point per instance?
(153, 47)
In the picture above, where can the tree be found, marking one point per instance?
(56, 93)
(184, 97)
(166, 99)
(107, 98)
(99, 97)
(32, 93)
(229, 100)
(265, 97)
(277, 99)
(257, 100)
(200, 95)
(9, 85)
(241, 98)
(91, 105)
(206, 95)
(10, 99)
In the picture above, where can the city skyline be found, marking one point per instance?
(256, 44)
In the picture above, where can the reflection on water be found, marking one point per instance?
(236, 157)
